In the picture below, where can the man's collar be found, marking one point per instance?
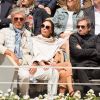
(17, 30)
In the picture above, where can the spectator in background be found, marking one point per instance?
(83, 51)
(65, 18)
(48, 5)
(5, 7)
(93, 13)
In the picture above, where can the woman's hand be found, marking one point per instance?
(44, 63)
(78, 46)
(32, 70)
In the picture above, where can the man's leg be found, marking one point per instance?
(24, 77)
(96, 73)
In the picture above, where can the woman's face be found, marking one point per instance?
(70, 4)
(24, 3)
(46, 29)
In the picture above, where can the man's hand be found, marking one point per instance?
(78, 46)
(11, 54)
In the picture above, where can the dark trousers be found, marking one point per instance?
(84, 75)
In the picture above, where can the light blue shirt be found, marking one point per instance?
(17, 49)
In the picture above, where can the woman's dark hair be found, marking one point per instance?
(52, 26)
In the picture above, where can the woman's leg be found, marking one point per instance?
(65, 78)
(52, 75)
(69, 84)
(62, 81)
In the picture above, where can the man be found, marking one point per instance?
(83, 50)
(15, 40)
(11, 37)
(93, 13)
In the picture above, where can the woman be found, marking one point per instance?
(66, 17)
(47, 51)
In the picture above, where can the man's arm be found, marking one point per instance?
(3, 48)
(52, 4)
(77, 51)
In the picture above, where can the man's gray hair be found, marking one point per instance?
(18, 10)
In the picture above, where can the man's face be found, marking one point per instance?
(82, 27)
(18, 20)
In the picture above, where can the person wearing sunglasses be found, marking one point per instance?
(15, 40)
(46, 50)
(83, 51)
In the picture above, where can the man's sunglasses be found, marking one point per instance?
(81, 26)
(47, 27)
(19, 18)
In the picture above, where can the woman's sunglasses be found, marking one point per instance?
(47, 27)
